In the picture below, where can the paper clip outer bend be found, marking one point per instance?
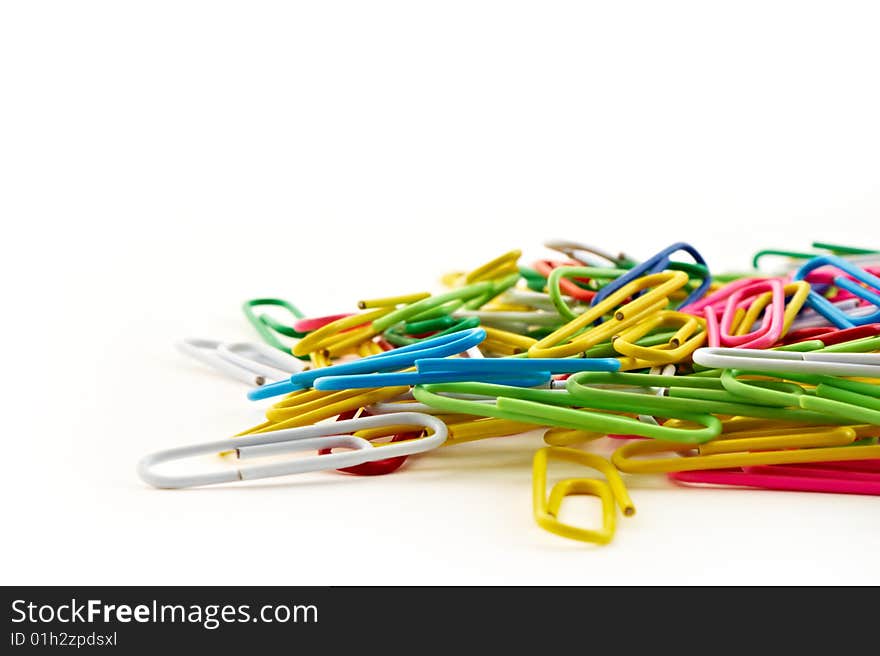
(498, 267)
(250, 363)
(576, 336)
(560, 279)
(566, 281)
(546, 509)
(501, 266)
(827, 309)
(266, 327)
(308, 438)
(571, 249)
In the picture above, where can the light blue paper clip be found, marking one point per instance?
(354, 381)
(516, 365)
(826, 308)
(400, 358)
(515, 372)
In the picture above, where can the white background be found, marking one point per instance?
(160, 162)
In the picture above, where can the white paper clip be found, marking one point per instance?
(833, 364)
(251, 363)
(293, 440)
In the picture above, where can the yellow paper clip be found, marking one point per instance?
(576, 336)
(768, 447)
(546, 508)
(796, 292)
(691, 335)
(311, 406)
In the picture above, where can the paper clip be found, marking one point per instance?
(655, 264)
(691, 334)
(623, 458)
(266, 326)
(311, 324)
(345, 333)
(516, 365)
(564, 409)
(849, 399)
(826, 308)
(574, 249)
(809, 362)
(575, 336)
(694, 398)
(849, 252)
(374, 467)
(832, 335)
(395, 360)
(361, 381)
(807, 477)
(294, 440)
(546, 509)
(560, 279)
(569, 280)
(499, 267)
(310, 406)
(778, 315)
(251, 363)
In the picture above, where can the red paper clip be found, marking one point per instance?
(568, 287)
(376, 467)
(829, 335)
(311, 324)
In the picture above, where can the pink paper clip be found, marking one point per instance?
(718, 298)
(862, 477)
(744, 295)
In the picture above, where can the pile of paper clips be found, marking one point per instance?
(748, 380)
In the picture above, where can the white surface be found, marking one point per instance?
(160, 163)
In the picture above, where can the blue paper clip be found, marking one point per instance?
(401, 358)
(517, 365)
(514, 372)
(354, 381)
(825, 307)
(656, 264)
